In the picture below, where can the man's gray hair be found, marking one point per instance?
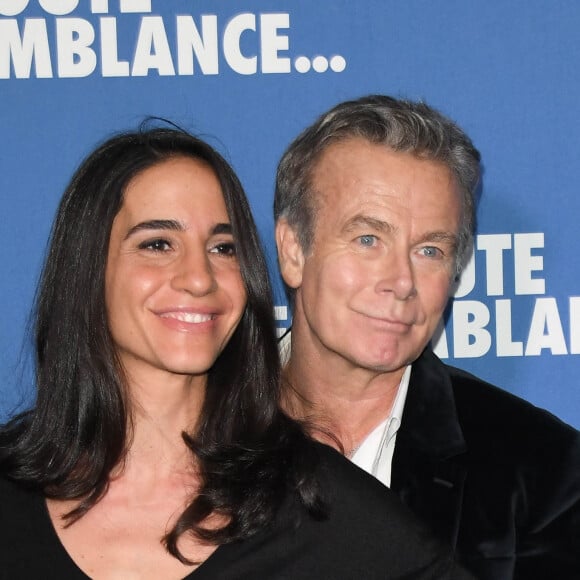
(400, 125)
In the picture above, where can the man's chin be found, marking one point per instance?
(381, 364)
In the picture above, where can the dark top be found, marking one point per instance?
(369, 535)
(492, 475)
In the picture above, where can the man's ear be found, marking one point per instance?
(290, 255)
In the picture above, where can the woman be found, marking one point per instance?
(156, 448)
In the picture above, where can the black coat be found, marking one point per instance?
(490, 473)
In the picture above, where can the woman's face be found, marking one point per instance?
(174, 292)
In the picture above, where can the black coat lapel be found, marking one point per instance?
(428, 469)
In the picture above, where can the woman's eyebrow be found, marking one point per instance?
(221, 228)
(172, 225)
(175, 226)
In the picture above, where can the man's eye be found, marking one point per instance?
(431, 252)
(156, 245)
(367, 240)
(224, 248)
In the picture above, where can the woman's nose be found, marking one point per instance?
(193, 273)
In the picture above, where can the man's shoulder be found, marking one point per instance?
(483, 397)
(497, 416)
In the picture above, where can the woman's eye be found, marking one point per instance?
(367, 240)
(224, 249)
(157, 245)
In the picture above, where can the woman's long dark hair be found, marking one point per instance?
(248, 451)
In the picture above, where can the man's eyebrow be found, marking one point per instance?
(175, 226)
(444, 237)
(375, 224)
(365, 221)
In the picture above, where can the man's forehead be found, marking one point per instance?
(346, 147)
(347, 160)
(351, 191)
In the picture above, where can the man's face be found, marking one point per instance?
(374, 284)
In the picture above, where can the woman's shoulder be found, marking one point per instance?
(28, 543)
(21, 511)
(14, 496)
(20, 516)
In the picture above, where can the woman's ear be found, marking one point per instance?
(290, 255)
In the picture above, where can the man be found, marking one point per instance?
(374, 217)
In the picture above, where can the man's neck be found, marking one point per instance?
(336, 396)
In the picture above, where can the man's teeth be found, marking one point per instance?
(190, 317)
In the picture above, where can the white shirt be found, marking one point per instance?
(375, 453)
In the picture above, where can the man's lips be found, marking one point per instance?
(387, 322)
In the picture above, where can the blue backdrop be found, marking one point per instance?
(249, 75)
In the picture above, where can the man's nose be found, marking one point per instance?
(397, 275)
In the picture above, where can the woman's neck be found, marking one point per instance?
(159, 415)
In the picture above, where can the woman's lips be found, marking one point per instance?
(189, 317)
(187, 320)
